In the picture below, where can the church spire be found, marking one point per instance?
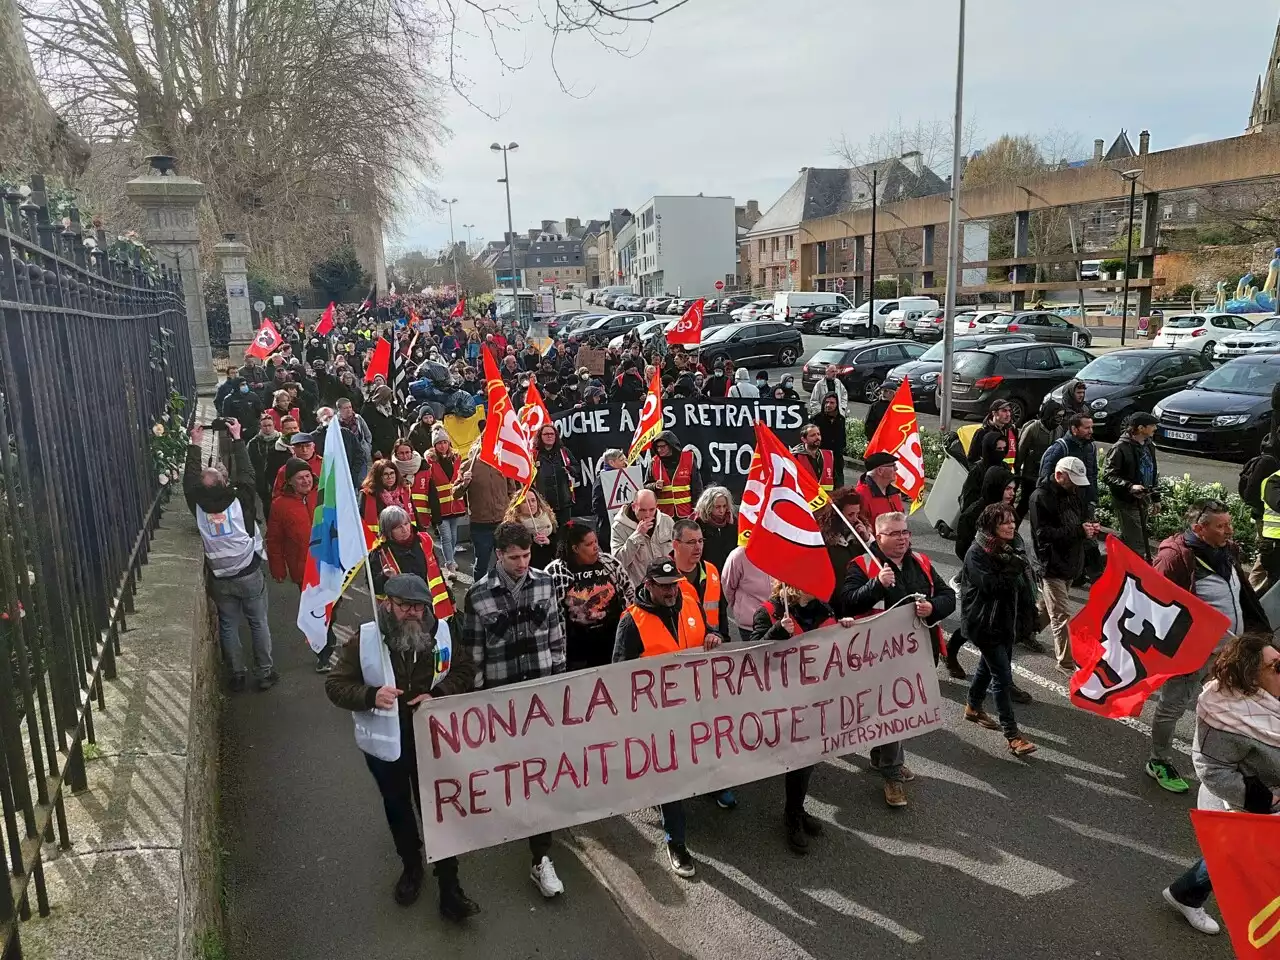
(1266, 98)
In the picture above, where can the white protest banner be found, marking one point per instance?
(502, 764)
(620, 487)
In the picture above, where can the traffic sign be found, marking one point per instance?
(719, 284)
(840, 284)
(259, 306)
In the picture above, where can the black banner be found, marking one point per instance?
(721, 433)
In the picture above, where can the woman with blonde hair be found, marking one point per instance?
(532, 511)
(718, 518)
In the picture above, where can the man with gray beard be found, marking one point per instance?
(407, 657)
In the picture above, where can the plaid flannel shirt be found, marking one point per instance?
(517, 637)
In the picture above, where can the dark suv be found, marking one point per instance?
(1021, 373)
(861, 365)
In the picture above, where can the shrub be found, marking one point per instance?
(930, 443)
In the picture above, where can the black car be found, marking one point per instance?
(709, 321)
(1043, 326)
(609, 326)
(861, 365)
(752, 344)
(1226, 412)
(733, 302)
(1127, 381)
(809, 317)
(1021, 373)
(561, 320)
(925, 371)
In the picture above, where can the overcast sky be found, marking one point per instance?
(733, 97)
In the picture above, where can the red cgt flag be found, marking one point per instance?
(380, 362)
(459, 308)
(899, 434)
(503, 445)
(688, 329)
(1136, 631)
(265, 342)
(325, 326)
(533, 415)
(650, 424)
(785, 541)
(1242, 852)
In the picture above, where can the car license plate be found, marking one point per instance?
(1182, 435)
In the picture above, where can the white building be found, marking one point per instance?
(685, 244)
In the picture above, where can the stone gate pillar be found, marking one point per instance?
(233, 262)
(172, 232)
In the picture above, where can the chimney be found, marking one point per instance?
(914, 161)
(534, 231)
(1097, 151)
(572, 223)
(753, 208)
(1144, 143)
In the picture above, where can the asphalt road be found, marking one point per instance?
(1059, 856)
(1171, 464)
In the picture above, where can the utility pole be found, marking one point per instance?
(453, 247)
(953, 244)
(511, 230)
(1132, 176)
(871, 268)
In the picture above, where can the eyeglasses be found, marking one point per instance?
(1210, 506)
(896, 533)
(408, 607)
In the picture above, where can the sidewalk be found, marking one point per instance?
(309, 863)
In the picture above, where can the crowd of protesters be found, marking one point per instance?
(559, 582)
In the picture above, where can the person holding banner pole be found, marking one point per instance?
(891, 573)
(787, 612)
(513, 630)
(661, 621)
(402, 659)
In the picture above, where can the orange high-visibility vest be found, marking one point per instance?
(710, 600)
(676, 496)
(657, 639)
(451, 504)
(441, 600)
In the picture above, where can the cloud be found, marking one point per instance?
(734, 96)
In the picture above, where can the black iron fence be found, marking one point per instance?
(95, 369)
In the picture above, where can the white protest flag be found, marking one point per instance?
(528, 758)
(337, 541)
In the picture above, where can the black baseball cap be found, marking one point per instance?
(663, 572)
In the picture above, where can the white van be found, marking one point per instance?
(617, 289)
(794, 302)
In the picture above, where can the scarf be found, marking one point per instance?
(539, 523)
(408, 469)
(1218, 559)
(1256, 717)
(511, 583)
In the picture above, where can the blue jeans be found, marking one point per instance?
(995, 670)
(482, 542)
(243, 598)
(449, 537)
(1192, 889)
(673, 821)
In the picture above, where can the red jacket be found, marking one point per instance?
(316, 464)
(289, 534)
(278, 418)
(874, 502)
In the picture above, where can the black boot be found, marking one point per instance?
(409, 885)
(797, 838)
(456, 906)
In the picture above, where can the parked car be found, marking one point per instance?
(1021, 373)
(925, 371)
(1199, 331)
(980, 319)
(1227, 413)
(902, 322)
(861, 365)
(609, 326)
(831, 325)
(788, 303)
(1264, 335)
(929, 327)
(1127, 381)
(709, 320)
(1043, 325)
(856, 321)
(809, 318)
(566, 294)
(648, 332)
(679, 305)
(749, 311)
(733, 302)
(752, 345)
(557, 323)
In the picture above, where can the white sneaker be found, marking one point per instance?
(1195, 916)
(544, 875)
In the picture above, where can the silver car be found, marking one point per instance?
(1265, 335)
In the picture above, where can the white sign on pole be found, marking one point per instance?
(514, 761)
(278, 300)
(620, 487)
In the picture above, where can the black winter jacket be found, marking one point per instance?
(995, 594)
(1057, 531)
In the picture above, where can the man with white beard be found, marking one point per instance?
(403, 660)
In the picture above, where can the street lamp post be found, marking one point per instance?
(1132, 176)
(468, 227)
(511, 230)
(453, 247)
(953, 246)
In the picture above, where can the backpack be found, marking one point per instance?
(1246, 474)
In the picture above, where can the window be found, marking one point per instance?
(773, 244)
(1166, 367)
(1071, 358)
(764, 274)
(559, 259)
(913, 350)
(1036, 359)
(791, 241)
(844, 243)
(1168, 211)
